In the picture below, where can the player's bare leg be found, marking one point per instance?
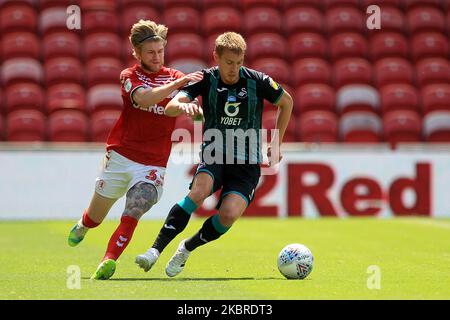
(232, 207)
(92, 217)
(177, 219)
(140, 198)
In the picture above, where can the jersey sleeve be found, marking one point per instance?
(130, 83)
(195, 89)
(270, 89)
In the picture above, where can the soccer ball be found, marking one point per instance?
(295, 261)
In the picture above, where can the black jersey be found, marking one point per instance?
(234, 111)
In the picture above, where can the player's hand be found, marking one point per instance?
(191, 109)
(274, 155)
(191, 78)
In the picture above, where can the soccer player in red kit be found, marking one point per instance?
(138, 146)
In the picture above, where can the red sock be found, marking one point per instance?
(88, 222)
(120, 238)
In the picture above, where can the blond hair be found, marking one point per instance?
(231, 41)
(145, 30)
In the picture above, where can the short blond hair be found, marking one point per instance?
(231, 41)
(145, 30)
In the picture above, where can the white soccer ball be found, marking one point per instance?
(295, 261)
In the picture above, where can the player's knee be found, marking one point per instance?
(198, 195)
(228, 216)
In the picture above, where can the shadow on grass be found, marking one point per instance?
(190, 279)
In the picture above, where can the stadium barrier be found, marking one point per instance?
(56, 181)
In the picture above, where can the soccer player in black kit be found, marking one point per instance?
(233, 99)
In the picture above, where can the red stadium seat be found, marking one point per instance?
(448, 19)
(384, 3)
(393, 70)
(399, 97)
(269, 120)
(168, 4)
(389, 44)
(410, 4)
(208, 4)
(131, 15)
(436, 127)
(318, 127)
(311, 70)
(129, 3)
(68, 126)
(315, 96)
(360, 127)
(433, 70)
(307, 45)
(101, 5)
(20, 44)
(392, 19)
(348, 44)
(2, 127)
(425, 19)
(24, 96)
(248, 4)
(7, 3)
(357, 97)
(303, 19)
(66, 96)
(21, 70)
(102, 71)
(289, 4)
(345, 19)
(45, 4)
(1, 101)
(100, 21)
(402, 126)
(430, 44)
(101, 124)
(221, 19)
(352, 70)
(188, 65)
(20, 17)
(63, 69)
(263, 19)
(53, 19)
(61, 44)
(104, 97)
(183, 46)
(278, 69)
(266, 45)
(436, 97)
(328, 4)
(182, 19)
(26, 125)
(98, 45)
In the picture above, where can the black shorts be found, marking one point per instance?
(240, 179)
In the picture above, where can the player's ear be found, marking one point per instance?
(137, 53)
(216, 56)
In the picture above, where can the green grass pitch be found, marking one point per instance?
(412, 255)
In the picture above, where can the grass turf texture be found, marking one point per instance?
(412, 255)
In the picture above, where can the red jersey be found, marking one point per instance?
(142, 133)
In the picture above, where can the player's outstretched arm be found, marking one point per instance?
(181, 104)
(146, 97)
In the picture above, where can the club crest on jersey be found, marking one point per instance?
(242, 94)
(127, 85)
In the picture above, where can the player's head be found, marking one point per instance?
(229, 52)
(148, 40)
